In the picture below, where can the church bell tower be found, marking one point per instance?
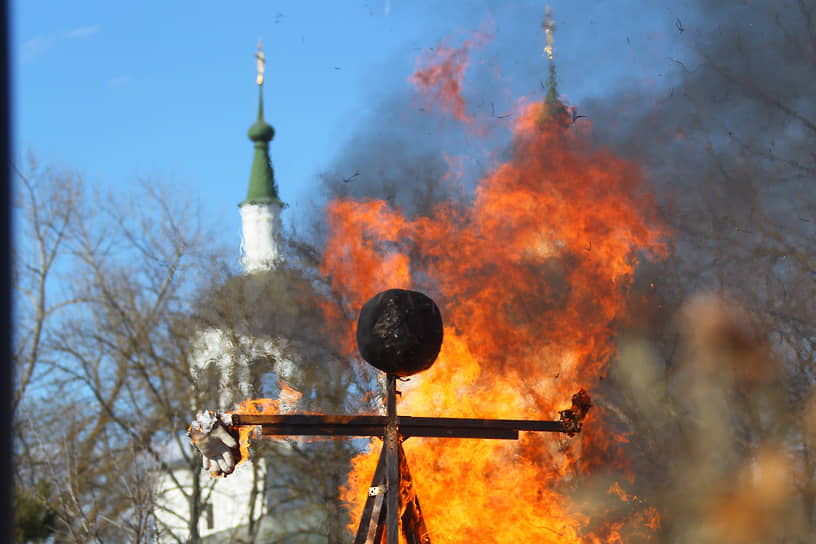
(261, 211)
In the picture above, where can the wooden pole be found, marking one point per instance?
(392, 467)
(413, 523)
(373, 518)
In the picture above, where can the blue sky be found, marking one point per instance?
(167, 90)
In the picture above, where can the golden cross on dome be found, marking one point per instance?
(549, 26)
(261, 60)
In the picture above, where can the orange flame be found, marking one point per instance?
(439, 76)
(286, 402)
(530, 278)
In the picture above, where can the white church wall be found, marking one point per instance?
(232, 355)
(261, 226)
(226, 510)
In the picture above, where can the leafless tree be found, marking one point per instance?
(45, 205)
(107, 284)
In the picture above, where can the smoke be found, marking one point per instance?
(729, 145)
(717, 390)
(397, 155)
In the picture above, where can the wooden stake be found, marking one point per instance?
(392, 465)
(373, 518)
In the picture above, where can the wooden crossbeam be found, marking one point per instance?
(343, 425)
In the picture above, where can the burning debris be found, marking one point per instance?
(573, 418)
(217, 440)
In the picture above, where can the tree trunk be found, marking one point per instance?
(195, 500)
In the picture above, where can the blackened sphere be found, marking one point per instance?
(400, 332)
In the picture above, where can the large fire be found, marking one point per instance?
(531, 276)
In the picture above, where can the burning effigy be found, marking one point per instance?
(399, 332)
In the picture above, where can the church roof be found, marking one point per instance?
(262, 186)
(281, 303)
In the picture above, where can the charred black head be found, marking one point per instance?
(400, 332)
